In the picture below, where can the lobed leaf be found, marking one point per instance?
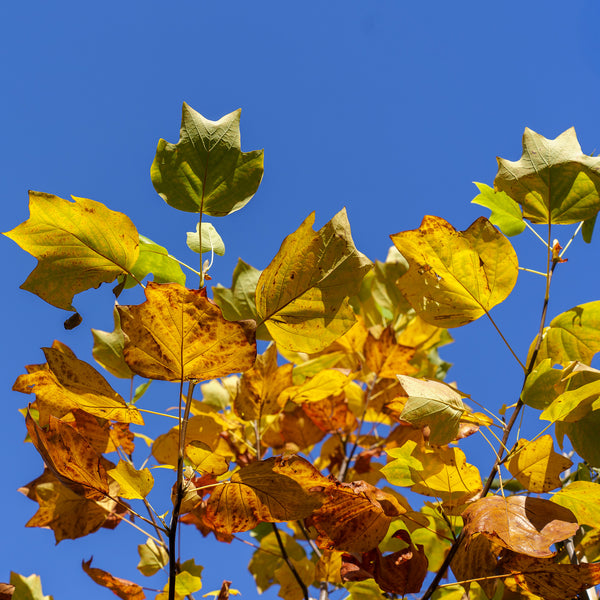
(79, 245)
(26, 588)
(506, 214)
(302, 296)
(108, 349)
(156, 260)
(126, 590)
(206, 171)
(133, 484)
(455, 277)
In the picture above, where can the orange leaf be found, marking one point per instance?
(178, 334)
(355, 517)
(549, 580)
(331, 415)
(387, 358)
(127, 590)
(524, 525)
(476, 558)
(272, 490)
(70, 457)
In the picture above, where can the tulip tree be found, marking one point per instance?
(348, 373)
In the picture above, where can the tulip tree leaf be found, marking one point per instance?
(506, 213)
(302, 296)
(583, 499)
(455, 277)
(206, 171)
(108, 349)
(211, 240)
(553, 180)
(156, 260)
(79, 245)
(27, 588)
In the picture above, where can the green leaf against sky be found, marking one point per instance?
(455, 277)
(27, 588)
(108, 349)
(211, 240)
(152, 558)
(302, 296)
(79, 245)
(572, 335)
(506, 213)
(553, 180)
(206, 171)
(435, 404)
(156, 260)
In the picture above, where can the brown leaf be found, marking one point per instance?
(126, 590)
(68, 514)
(102, 435)
(66, 382)
(524, 525)
(272, 490)
(549, 580)
(70, 457)
(401, 572)
(477, 558)
(6, 591)
(355, 516)
(261, 386)
(179, 334)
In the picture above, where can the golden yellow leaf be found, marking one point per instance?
(386, 357)
(78, 246)
(326, 383)
(302, 296)
(455, 277)
(328, 567)
(536, 466)
(583, 498)
(66, 382)
(133, 484)
(290, 590)
(179, 334)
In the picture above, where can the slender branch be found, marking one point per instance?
(136, 526)
(183, 421)
(289, 563)
(153, 412)
(532, 271)
(572, 238)
(537, 235)
(505, 340)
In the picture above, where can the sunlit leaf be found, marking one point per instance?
(364, 590)
(328, 567)
(553, 180)
(66, 382)
(27, 588)
(302, 296)
(435, 404)
(206, 171)
(133, 484)
(126, 590)
(536, 466)
(572, 405)
(476, 558)
(326, 383)
(211, 240)
(152, 557)
(521, 524)
(290, 589)
(506, 213)
(79, 245)
(386, 357)
(204, 460)
(156, 260)
(455, 277)
(108, 349)
(583, 499)
(178, 334)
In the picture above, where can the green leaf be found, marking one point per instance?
(364, 590)
(27, 588)
(455, 277)
(582, 498)
(211, 240)
(506, 214)
(588, 229)
(539, 391)
(79, 245)
(152, 558)
(156, 260)
(553, 180)
(400, 471)
(108, 349)
(432, 403)
(302, 295)
(583, 435)
(206, 171)
(572, 335)
(188, 580)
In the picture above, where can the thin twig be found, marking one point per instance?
(289, 563)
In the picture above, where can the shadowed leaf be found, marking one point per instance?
(79, 245)
(206, 171)
(553, 180)
(26, 588)
(152, 558)
(211, 240)
(178, 334)
(108, 349)
(302, 296)
(455, 277)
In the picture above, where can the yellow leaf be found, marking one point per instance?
(583, 499)
(326, 383)
(134, 484)
(66, 382)
(302, 296)
(290, 589)
(78, 246)
(455, 277)
(178, 334)
(536, 466)
(386, 357)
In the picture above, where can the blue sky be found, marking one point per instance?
(389, 108)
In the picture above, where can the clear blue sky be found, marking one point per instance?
(389, 108)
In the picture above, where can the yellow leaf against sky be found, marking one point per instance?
(79, 245)
(133, 484)
(455, 277)
(179, 334)
(536, 466)
(66, 382)
(302, 296)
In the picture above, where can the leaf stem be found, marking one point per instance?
(289, 563)
(532, 271)
(505, 340)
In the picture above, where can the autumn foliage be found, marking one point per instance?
(323, 353)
